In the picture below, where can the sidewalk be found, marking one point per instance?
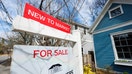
(4, 64)
(4, 69)
(3, 57)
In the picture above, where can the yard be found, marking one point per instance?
(89, 70)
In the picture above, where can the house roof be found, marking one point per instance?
(73, 23)
(104, 11)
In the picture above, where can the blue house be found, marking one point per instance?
(112, 36)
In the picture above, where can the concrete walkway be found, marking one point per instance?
(3, 57)
(4, 64)
(4, 69)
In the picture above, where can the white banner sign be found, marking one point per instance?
(42, 60)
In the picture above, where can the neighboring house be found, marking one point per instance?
(87, 44)
(87, 41)
(112, 36)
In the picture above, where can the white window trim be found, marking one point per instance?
(119, 6)
(117, 60)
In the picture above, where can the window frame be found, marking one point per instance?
(119, 61)
(119, 6)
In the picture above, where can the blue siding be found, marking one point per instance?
(106, 21)
(104, 50)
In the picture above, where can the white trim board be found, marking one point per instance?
(113, 27)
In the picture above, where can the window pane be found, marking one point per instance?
(119, 49)
(129, 35)
(127, 55)
(122, 37)
(131, 51)
(115, 12)
(116, 38)
(130, 47)
(120, 55)
(117, 43)
(129, 42)
(123, 42)
(125, 49)
(76, 27)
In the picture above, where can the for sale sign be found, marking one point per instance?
(42, 60)
(44, 18)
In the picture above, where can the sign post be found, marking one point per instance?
(59, 60)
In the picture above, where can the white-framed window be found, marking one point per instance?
(116, 11)
(122, 45)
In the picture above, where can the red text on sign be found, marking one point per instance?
(42, 53)
(33, 13)
(49, 53)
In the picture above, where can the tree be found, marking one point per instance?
(96, 8)
(67, 9)
(55, 8)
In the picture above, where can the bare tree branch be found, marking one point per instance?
(40, 6)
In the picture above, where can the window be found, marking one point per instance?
(115, 11)
(123, 48)
(123, 45)
(76, 27)
(85, 31)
